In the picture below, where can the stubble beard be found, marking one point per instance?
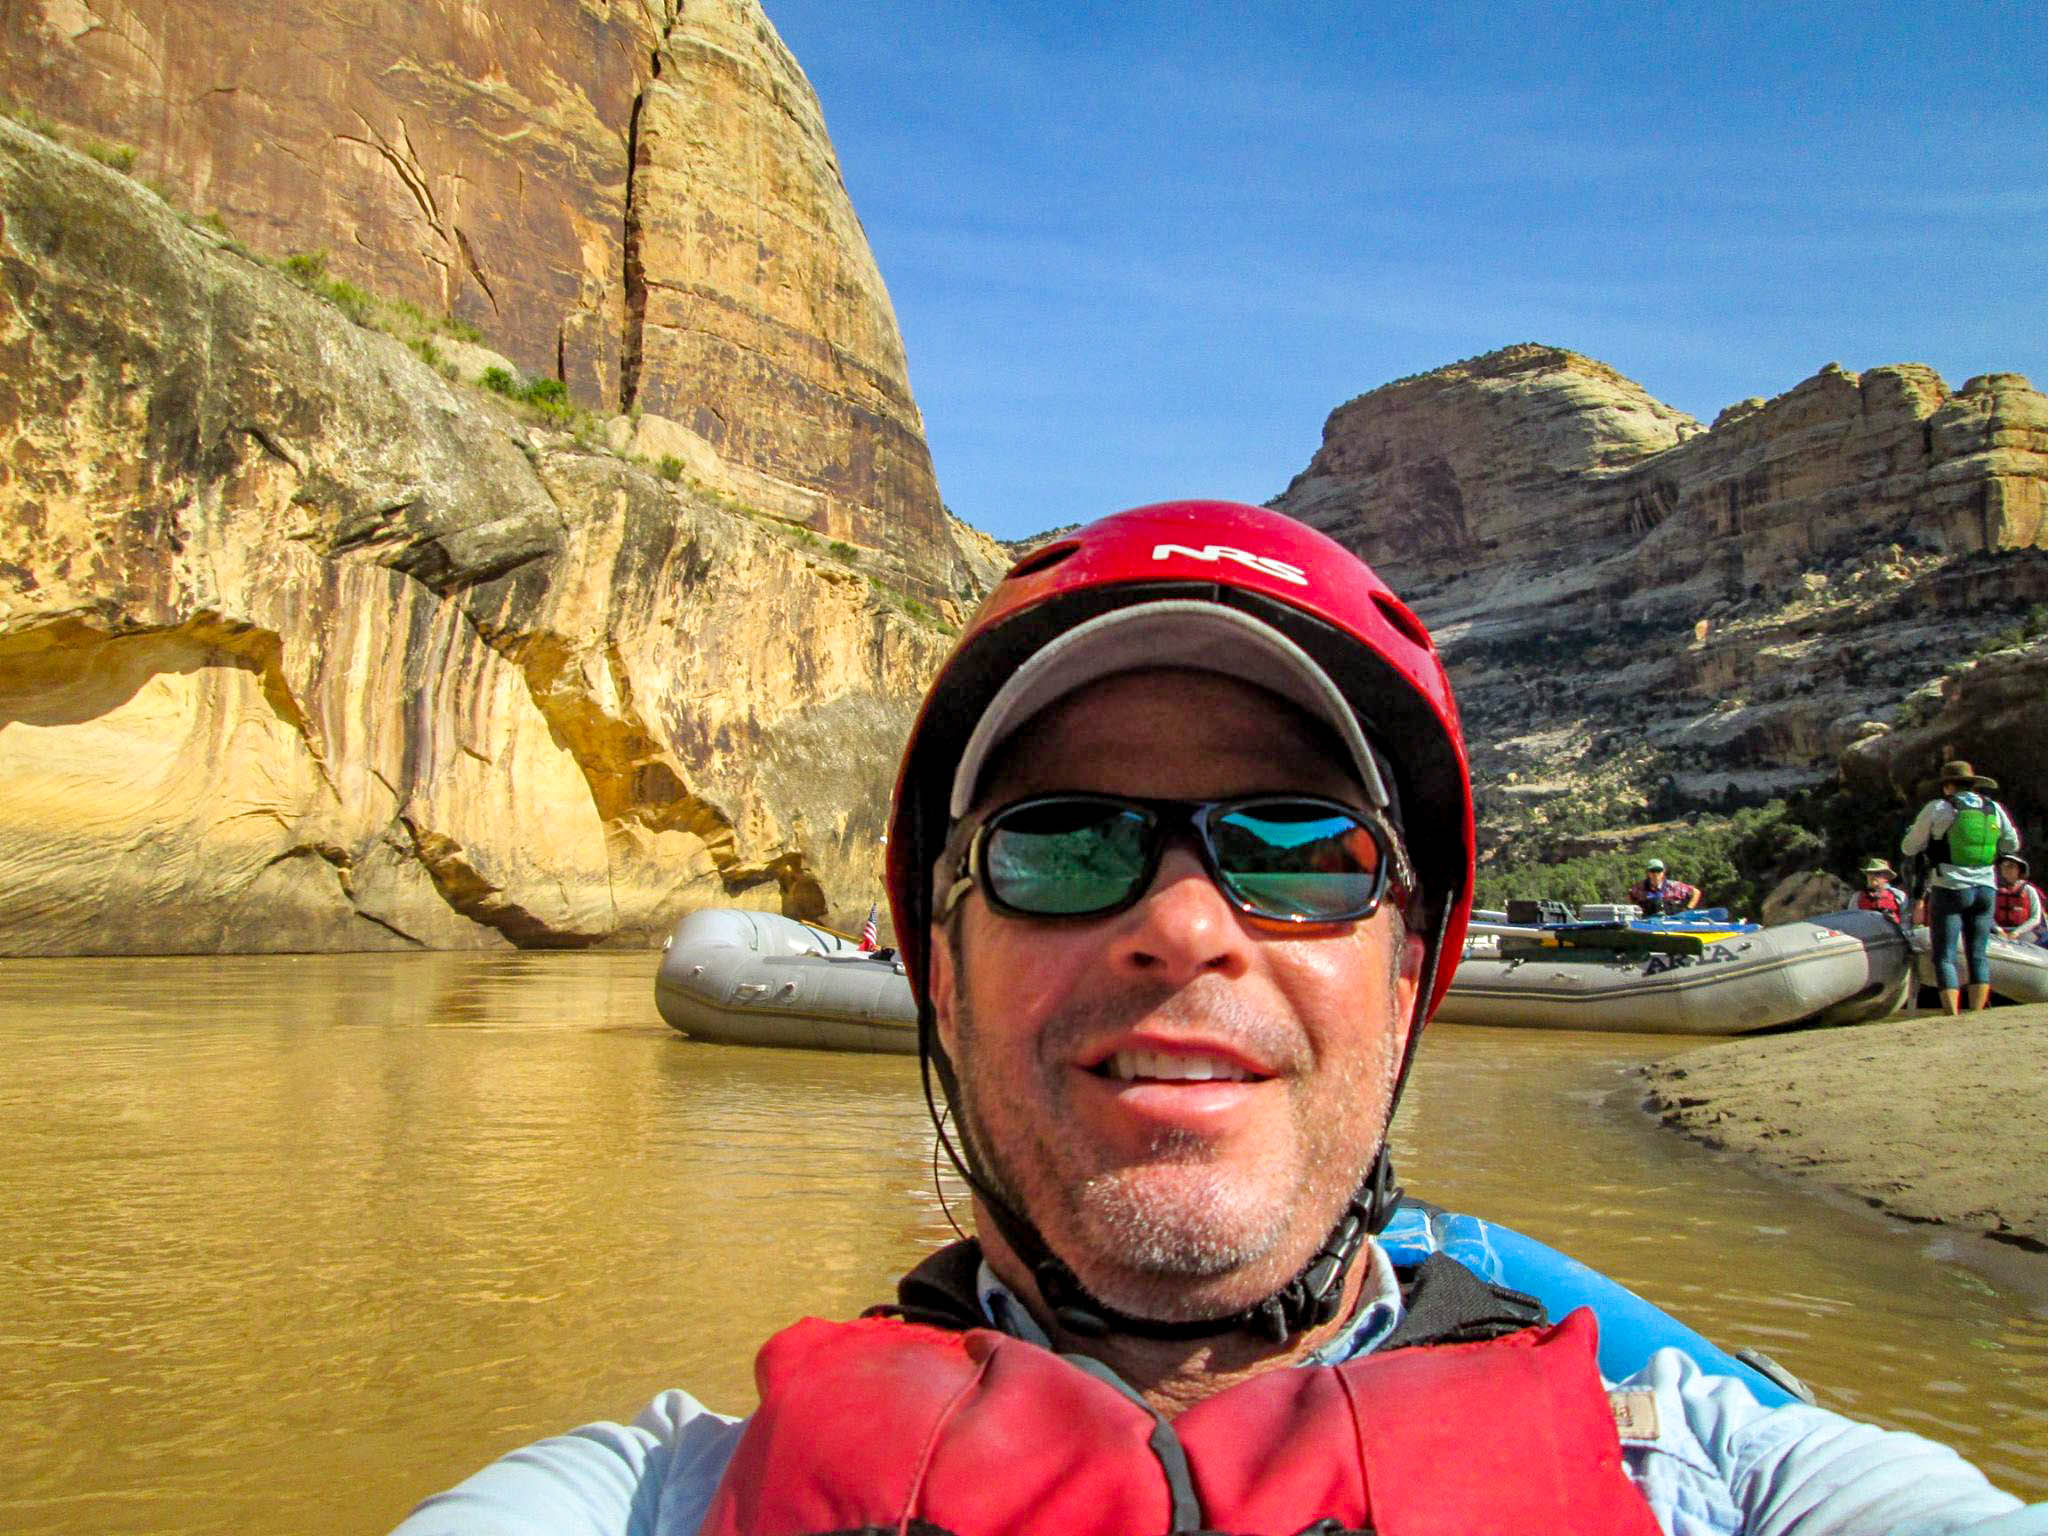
(1180, 1233)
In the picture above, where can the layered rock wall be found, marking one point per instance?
(758, 318)
(472, 159)
(1535, 460)
(1844, 463)
(1510, 457)
(1643, 618)
(636, 197)
(303, 646)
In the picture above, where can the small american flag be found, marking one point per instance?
(870, 935)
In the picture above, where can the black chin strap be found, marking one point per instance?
(1312, 1298)
(1309, 1300)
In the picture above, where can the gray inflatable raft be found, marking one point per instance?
(2019, 972)
(757, 978)
(1842, 968)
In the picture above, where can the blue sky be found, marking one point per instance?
(1143, 250)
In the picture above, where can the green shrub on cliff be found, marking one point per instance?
(408, 322)
(29, 118)
(309, 270)
(911, 608)
(349, 299)
(550, 395)
(395, 317)
(2032, 627)
(115, 157)
(551, 398)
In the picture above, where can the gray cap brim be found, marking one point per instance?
(1181, 633)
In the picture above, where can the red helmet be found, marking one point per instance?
(1262, 565)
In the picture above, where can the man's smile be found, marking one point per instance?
(1147, 1081)
(1132, 1066)
(1149, 1053)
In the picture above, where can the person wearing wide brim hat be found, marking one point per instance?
(1969, 832)
(1957, 771)
(1879, 894)
(2016, 911)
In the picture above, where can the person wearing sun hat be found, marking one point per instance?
(2017, 914)
(1971, 831)
(1879, 894)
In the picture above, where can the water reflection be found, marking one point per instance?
(291, 1241)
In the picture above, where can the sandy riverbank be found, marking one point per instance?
(1929, 1118)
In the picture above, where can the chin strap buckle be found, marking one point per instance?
(1382, 1193)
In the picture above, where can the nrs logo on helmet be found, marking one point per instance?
(1214, 552)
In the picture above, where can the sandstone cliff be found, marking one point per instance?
(1644, 618)
(305, 646)
(1501, 458)
(634, 196)
(1534, 460)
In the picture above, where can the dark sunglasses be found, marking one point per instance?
(1284, 858)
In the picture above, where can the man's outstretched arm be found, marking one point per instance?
(1801, 1471)
(653, 1477)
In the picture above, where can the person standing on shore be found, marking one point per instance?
(1660, 896)
(1880, 895)
(2017, 914)
(1181, 861)
(1962, 893)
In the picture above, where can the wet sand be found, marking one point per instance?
(1926, 1117)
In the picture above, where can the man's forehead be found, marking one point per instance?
(1172, 732)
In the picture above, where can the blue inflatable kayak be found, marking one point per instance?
(1631, 1329)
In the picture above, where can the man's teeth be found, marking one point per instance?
(1128, 1066)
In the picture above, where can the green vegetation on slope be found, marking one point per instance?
(1735, 859)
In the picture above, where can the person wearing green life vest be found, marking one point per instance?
(1968, 832)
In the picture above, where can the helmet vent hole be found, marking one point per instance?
(1042, 559)
(1402, 618)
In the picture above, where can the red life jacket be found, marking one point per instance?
(2013, 906)
(1887, 901)
(887, 1426)
(1669, 898)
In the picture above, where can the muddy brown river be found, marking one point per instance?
(287, 1243)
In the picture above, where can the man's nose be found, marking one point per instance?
(1182, 927)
